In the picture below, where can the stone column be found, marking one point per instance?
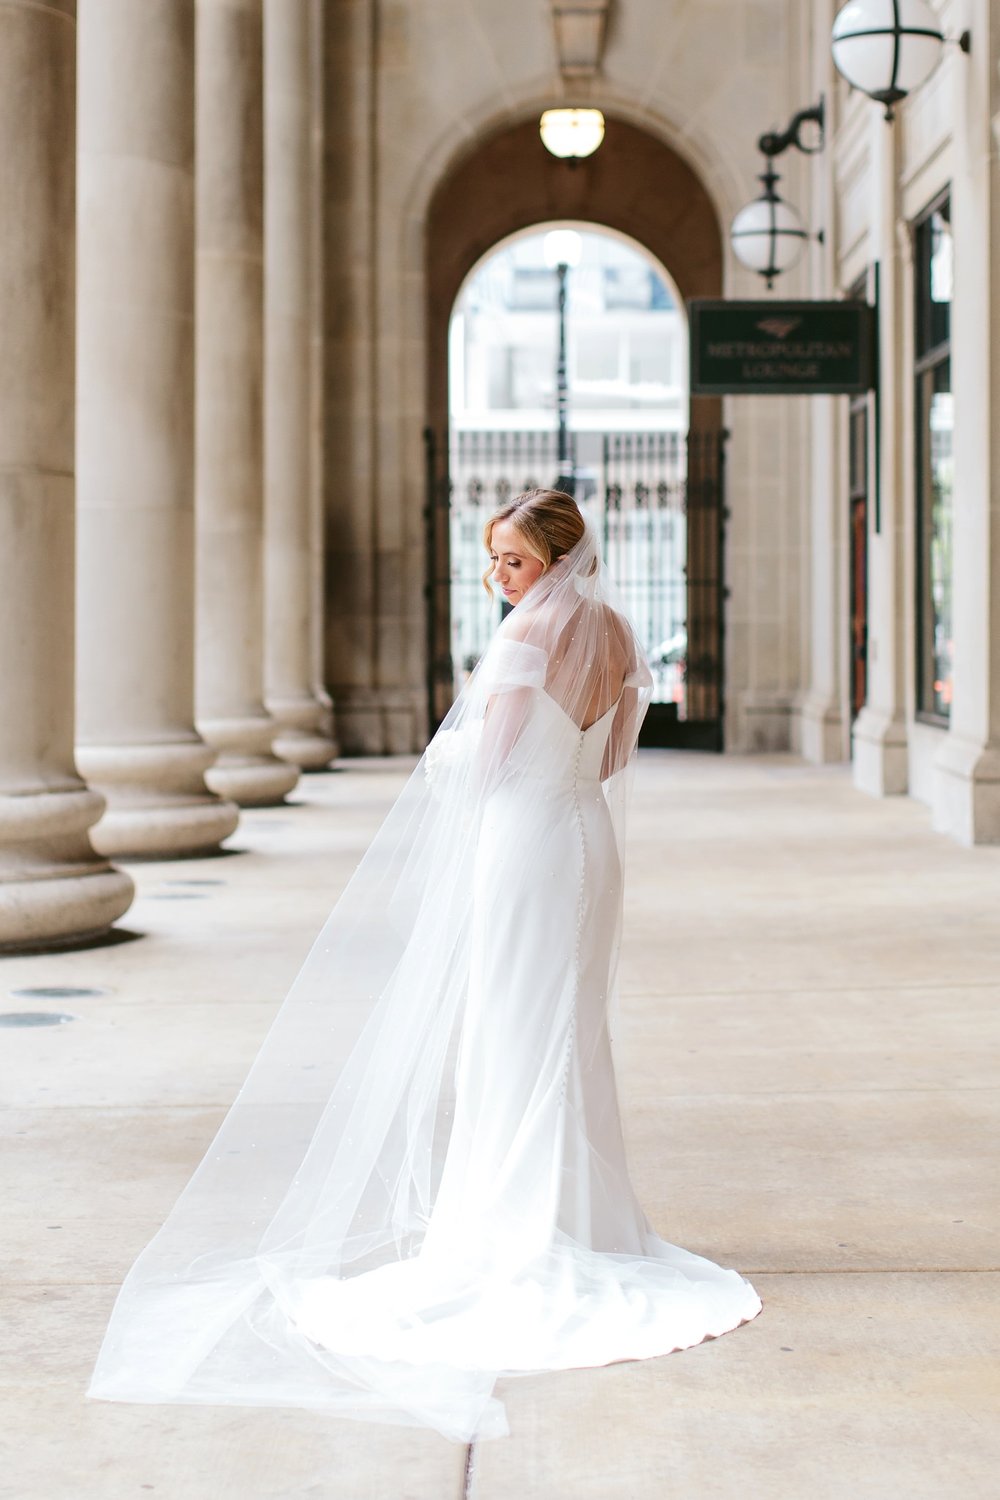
(881, 757)
(824, 734)
(822, 730)
(349, 212)
(52, 886)
(317, 403)
(289, 455)
(229, 328)
(135, 432)
(966, 796)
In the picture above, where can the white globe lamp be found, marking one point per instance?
(887, 48)
(571, 133)
(768, 236)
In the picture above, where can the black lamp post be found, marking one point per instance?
(562, 390)
(562, 251)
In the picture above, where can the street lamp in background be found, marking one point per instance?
(562, 249)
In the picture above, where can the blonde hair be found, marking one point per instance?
(548, 522)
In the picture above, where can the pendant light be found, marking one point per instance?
(571, 133)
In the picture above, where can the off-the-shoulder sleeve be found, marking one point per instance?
(639, 677)
(513, 664)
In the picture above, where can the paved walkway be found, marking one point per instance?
(809, 1068)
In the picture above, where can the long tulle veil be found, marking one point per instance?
(328, 1162)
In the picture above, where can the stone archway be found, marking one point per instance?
(636, 184)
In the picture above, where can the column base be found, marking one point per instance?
(252, 781)
(386, 721)
(300, 739)
(760, 723)
(966, 802)
(821, 730)
(158, 805)
(880, 754)
(326, 725)
(310, 752)
(246, 772)
(53, 889)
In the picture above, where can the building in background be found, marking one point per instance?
(627, 341)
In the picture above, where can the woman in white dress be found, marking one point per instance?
(422, 1184)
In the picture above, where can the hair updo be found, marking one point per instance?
(549, 523)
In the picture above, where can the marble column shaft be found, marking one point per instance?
(229, 331)
(135, 432)
(317, 402)
(879, 739)
(289, 452)
(967, 766)
(53, 888)
(825, 718)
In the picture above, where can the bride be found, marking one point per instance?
(422, 1184)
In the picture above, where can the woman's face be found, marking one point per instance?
(515, 569)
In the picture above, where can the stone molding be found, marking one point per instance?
(580, 29)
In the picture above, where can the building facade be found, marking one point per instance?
(904, 624)
(243, 226)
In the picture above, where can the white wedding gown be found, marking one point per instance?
(537, 1255)
(422, 1185)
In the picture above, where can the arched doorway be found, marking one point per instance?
(574, 377)
(638, 186)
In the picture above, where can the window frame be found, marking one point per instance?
(925, 363)
(860, 463)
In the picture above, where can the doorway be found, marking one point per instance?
(655, 487)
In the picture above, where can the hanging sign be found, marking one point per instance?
(781, 348)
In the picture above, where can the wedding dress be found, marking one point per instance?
(423, 1183)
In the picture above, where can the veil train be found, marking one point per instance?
(422, 1183)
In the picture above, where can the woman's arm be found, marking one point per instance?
(502, 725)
(624, 732)
(514, 670)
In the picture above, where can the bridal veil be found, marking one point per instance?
(322, 1197)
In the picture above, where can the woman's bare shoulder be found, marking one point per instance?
(621, 633)
(519, 627)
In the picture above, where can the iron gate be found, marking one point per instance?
(657, 500)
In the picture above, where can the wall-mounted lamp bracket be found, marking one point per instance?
(774, 143)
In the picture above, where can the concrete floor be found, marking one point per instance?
(809, 1068)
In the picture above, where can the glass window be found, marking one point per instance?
(596, 353)
(935, 508)
(533, 287)
(858, 449)
(934, 263)
(934, 426)
(627, 286)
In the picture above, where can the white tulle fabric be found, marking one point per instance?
(422, 1184)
